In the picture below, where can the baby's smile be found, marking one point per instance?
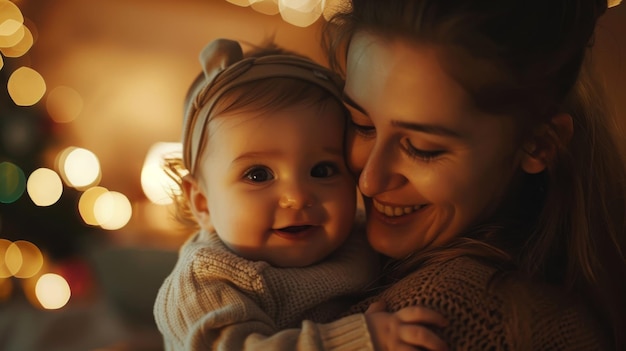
(296, 231)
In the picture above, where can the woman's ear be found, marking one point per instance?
(197, 199)
(543, 146)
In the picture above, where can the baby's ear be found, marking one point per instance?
(196, 197)
(544, 144)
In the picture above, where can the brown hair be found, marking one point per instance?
(529, 60)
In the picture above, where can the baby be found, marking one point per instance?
(263, 174)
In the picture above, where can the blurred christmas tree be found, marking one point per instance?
(25, 133)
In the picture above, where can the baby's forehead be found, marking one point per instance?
(296, 133)
(266, 108)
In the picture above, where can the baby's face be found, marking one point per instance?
(277, 186)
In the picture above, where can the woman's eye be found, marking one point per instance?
(258, 174)
(422, 155)
(362, 129)
(324, 170)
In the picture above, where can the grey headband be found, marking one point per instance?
(224, 69)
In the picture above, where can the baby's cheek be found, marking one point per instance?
(357, 154)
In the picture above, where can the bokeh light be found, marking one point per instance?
(266, 7)
(331, 7)
(11, 17)
(9, 27)
(53, 291)
(21, 47)
(13, 258)
(242, 3)
(156, 184)
(12, 182)
(301, 13)
(4, 270)
(26, 86)
(87, 203)
(31, 257)
(59, 163)
(64, 104)
(44, 187)
(112, 210)
(81, 168)
(12, 39)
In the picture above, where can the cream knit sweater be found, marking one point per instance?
(216, 300)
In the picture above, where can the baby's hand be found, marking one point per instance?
(404, 330)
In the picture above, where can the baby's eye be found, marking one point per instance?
(324, 170)
(258, 174)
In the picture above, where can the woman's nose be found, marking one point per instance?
(297, 196)
(379, 172)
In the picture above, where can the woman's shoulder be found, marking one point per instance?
(490, 309)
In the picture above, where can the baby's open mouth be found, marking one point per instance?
(295, 229)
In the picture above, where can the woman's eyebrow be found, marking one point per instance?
(427, 128)
(418, 127)
(348, 100)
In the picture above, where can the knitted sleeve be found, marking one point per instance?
(214, 300)
(248, 328)
(480, 316)
(346, 334)
(193, 304)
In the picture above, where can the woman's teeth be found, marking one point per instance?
(395, 211)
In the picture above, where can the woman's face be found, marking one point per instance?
(429, 164)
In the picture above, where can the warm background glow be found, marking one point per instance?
(93, 98)
(64, 104)
(156, 184)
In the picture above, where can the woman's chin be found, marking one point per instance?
(387, 241)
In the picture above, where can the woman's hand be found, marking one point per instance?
(404, 330)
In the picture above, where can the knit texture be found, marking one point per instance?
(479, 318)
(214, 299)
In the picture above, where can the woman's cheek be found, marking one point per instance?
(442, 184)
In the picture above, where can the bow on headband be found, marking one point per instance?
(225, 69)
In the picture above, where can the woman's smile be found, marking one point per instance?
(395, 211)
(393, 215)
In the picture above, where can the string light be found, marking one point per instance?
(301, 13)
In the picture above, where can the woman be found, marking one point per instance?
(491, 179)
(488, 169)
